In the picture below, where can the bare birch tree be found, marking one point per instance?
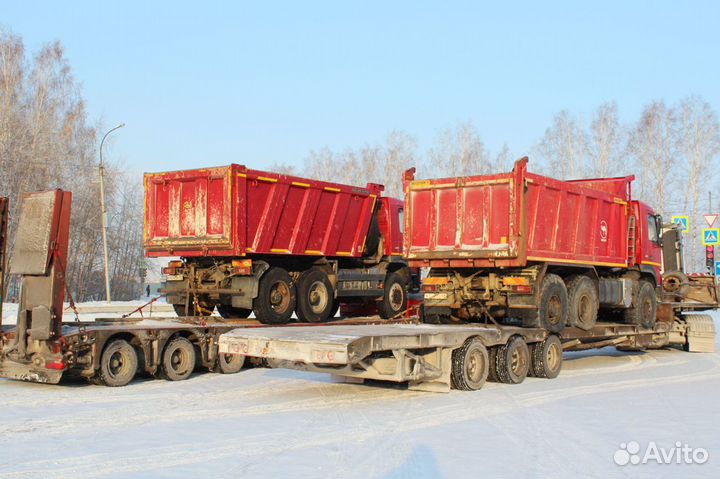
(699, 138)
(563, 147)
(605, 143)
(459, 151)
(655, 146)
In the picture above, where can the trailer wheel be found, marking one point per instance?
(644, 306)
(546, 358)
(552, 312)
(229, 312)
(583, 302)
(118, 364)
(178, 360)
(470, 366)
(230, 363)
(275, 302)
(316, 299)
(395, 298)
(512, 361)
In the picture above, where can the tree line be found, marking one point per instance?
(671, 149)
(47, 142)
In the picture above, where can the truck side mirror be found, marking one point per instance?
(658, 223)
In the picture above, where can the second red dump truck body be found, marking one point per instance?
(515, 218)
(235, 211)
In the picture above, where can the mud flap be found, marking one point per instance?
(700, 333)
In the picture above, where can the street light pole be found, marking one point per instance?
(104, 213)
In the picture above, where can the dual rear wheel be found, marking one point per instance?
(510, 363)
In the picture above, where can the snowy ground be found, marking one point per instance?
(280, 423)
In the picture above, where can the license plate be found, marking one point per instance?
(435, 296)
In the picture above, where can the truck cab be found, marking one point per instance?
(647, 248)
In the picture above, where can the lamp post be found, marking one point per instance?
(104, 212)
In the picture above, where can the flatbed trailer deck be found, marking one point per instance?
(83, 345)
(433, 357)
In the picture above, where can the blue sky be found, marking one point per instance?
(209, 83)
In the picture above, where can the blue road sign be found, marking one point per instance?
(711, 236)
(717, 268)
(682, 221)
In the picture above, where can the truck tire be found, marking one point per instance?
(118, 364)
(546, 358)
(512, 361)
(676, 283)
(470, 366)
(395, 298)
(315, 297)
(275, 302)
(229, 312)
(644, 306)
(180, 310)
(552, 312)
(583, 302)
(178, 360)
(230, 363)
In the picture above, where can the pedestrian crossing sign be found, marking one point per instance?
(683, 221)
(711, 236)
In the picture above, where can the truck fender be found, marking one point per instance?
(248, 286)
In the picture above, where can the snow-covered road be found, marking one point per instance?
(281, 423)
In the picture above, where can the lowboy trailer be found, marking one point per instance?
(438, 358)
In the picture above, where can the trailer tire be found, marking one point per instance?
(275, 301)
(583, 302)
(470, 366)
(315, 297)
(546, 358)
(118, 364)
(644, 306)
(230, 312)
(394, 300)
(512, 361)
(178, 360)
(230, 363)
(552, 312)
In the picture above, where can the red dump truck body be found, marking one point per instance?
(235, 211)
(514, 218)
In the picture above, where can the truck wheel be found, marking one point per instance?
(552, 312)
(395, 298)
(546, 357)
(316, 298)
(230, 363)
(644, 306)
(583, 302)
(469, 366)
(178, 360)
(275, 302)
(180, 310)
(676, 282)
(118, 364)
(228, 312)
(512, 361)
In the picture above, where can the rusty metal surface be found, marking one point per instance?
(478, 221)
(235, 211)
(31, 254)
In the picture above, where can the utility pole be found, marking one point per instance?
(104, 213)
